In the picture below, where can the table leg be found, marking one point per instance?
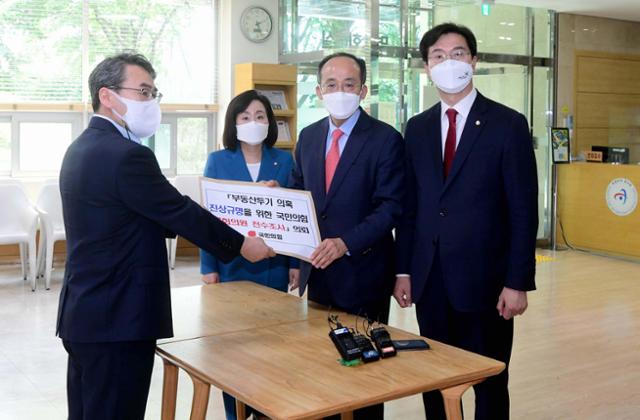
(241, 410)
(347, 415)
(169, 390)
(453, 399)
(200, 399)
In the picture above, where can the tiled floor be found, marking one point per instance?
(581, 332)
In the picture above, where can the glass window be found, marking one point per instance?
(389, 88)
(419, 21)
(540, 122)
(43, 144)
(333, 24)
(160, 143)
(504, 83)
(390, 24)
(504, 31)
(53, 29)
(192, 145)
(5, 147)
(542, 31)
(176, 36)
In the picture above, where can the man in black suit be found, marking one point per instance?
(352, 165)
(466, 246)
(118, 207)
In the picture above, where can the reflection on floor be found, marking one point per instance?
(576, 355)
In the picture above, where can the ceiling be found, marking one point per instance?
(614, 9)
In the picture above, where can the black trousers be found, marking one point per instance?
(109, 380)
(485, 333)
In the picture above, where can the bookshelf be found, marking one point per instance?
(279, 83)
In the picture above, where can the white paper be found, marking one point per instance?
(284, 218)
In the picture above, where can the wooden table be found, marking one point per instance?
(202, 311)
(288, 368)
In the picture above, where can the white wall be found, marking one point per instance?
(234, 48)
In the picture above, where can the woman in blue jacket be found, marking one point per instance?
(250, 132)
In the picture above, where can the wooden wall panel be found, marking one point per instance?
(616, 74)
(602, 110)
(607, 102)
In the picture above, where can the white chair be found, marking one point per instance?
(189, 186)
(18, 224)
(49, 208)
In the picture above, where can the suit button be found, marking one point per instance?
(323, 216)
(443, 212)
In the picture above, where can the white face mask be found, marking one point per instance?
(341, 105)
(252, 132)
(142, 117)
(452, 76)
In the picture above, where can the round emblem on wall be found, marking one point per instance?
(622, 197)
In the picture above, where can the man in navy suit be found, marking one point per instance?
(466, 243)
(115, 300)
(352, 165)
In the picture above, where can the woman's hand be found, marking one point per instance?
(211, 278)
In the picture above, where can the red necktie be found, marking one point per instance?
(331, 161)
(450, 144)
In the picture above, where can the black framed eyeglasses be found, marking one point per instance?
(146, 92)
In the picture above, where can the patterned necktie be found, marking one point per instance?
(450, 144)
(331, 161)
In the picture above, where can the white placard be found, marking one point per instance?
(284, 218)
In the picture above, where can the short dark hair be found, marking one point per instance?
(110, 72)
(433, 35)
(359, 61)
(238, 105)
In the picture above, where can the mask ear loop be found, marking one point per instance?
(124, 123)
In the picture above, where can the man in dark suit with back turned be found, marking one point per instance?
(115, 300)
(466, 244)
(352, 165)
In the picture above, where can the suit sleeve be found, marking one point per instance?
(296, 180)
(208, 262)
(387, 198)
(405, 232)
(143, 188)
(521, 188)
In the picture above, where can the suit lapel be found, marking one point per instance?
(241, 165)
(356, 141)
(433, 144)
(476, 120)
(316, 166)
(269, 166)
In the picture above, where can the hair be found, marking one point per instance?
(111, 72)
(240, 104)
(359, 61)
(433, 35)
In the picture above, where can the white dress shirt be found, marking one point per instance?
(463, 107)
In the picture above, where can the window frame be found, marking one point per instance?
(73, 118)
(7, 119)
